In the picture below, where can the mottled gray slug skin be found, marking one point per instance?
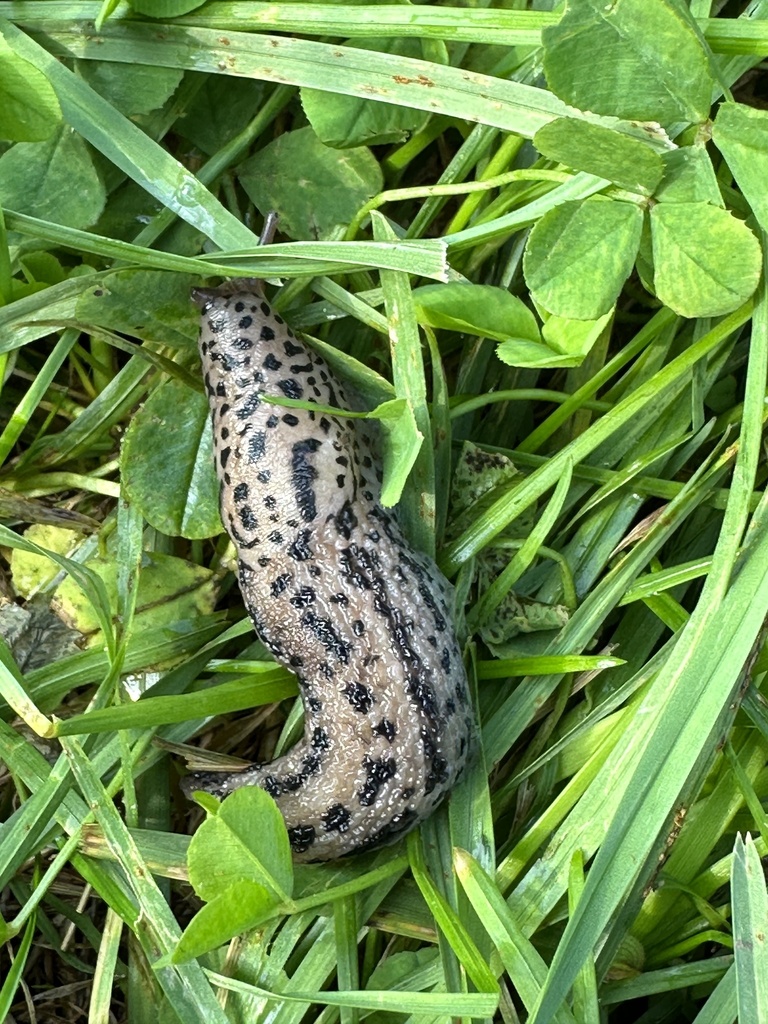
(334, 591)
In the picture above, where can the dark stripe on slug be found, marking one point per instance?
(257, 445)
(250, 405)
(328, 635)
(303, 476)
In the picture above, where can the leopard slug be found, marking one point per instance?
(334, 591)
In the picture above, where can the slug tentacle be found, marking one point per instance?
(334, 591)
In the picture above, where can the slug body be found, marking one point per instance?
(334, 591)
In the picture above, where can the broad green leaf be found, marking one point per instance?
(479, 309)
(132, 89)
(170, 590)
(43, 267)
(243, 905)
(596, 242)
(167, 460)
(574, 337)
(750, 930)
(245, 839)
(392, 972)
(706, 262)
(404, 441)
(639, 59)
(533, 354)
(314, 189)
(741, 135)
(87, 580)
(29, 110)
(148, 304)
(32, 570)
(348, 121)
(220, 111)
(564, 343)
(54, 179)
(689, 177)
(625, 161)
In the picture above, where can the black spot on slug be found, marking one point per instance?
(301, 837)
(336, 818)
(359, 696)
(291, 388)
(303, 597)
(320, 739)
(299, 549)
(279, 584)
(386, 729)
(378, 771)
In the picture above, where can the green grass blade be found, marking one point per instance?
(476, 1004)
(750, 931)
